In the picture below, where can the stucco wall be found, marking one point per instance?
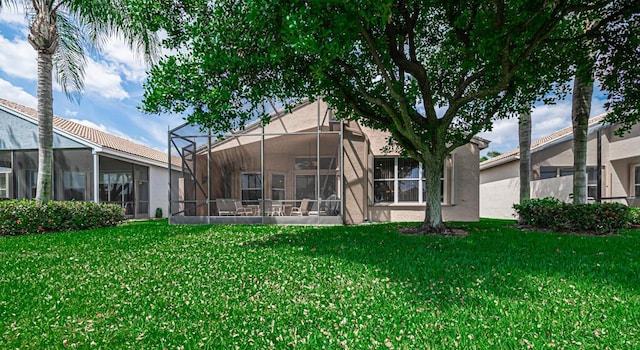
(159, 190)
(497, 197)
(356, 175)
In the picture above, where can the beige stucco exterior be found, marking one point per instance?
(294, 136)
(499, 179)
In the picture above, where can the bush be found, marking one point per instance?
(600, 218)
(18, 217)
(635, 215)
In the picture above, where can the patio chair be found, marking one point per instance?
(241, 209)
(302, 210)
(274, 208)
(226, 207)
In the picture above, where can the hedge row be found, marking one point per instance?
(18, 217)
(599, 218)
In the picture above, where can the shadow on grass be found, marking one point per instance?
(495, 257)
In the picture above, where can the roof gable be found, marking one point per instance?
(20, 133)
(93, 136)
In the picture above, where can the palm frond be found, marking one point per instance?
(70, 59)
(103, 19)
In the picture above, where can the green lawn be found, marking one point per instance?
(150, 285)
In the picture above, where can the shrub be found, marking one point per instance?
(600, 218)
(18, 217)
(635, 215)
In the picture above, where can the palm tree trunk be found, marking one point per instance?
(45, 127)
(524, 138)
(580, 111)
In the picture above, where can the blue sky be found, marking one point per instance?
(113, 91)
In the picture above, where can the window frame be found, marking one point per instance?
(396, 183)
(635, 186)
(246, 201)
(282, 189)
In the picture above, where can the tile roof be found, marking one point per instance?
(536, 144)
(95, 136)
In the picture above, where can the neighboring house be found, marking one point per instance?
(552, 170)
(89, 165)
(306, 167)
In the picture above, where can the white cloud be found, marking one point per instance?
(12, 15)
(103, 80)
(17, 94)
(18, 59)
(124, 61)
(70, 113)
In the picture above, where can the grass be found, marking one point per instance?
(150, 285)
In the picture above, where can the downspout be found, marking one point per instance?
(208, 175)
(169, 172)
(365, 192)
(599, 167)
(342, 180)
(318, 161)
(96, 176)
(262, 178)
(452, 200)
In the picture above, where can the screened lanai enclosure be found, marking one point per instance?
(286, 172)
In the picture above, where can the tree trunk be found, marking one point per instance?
(524, 138)
(45, 127)
(580, 111)
(43, 36)
(433, 209)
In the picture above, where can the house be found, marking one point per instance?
(307, 167)
(89, 165)
(552, 170)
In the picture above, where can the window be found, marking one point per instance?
(400, 180)
(592, 182)
(73, 183)
(277, 187)
(547, 172)
(566, 171)
(117, 188)
(251, 188)
(408, 180)
(306, 186)
(4, 185)
(31, 183)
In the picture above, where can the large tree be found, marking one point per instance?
(61, 32)
(431, 73)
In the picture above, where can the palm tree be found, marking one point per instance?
(61, 32)
(580, 110)
(524, 139)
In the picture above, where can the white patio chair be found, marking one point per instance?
(226, 207)
(241, 209)
(302, 210)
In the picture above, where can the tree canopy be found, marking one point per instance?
(431, 73)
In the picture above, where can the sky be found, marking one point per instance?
(113, 93)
